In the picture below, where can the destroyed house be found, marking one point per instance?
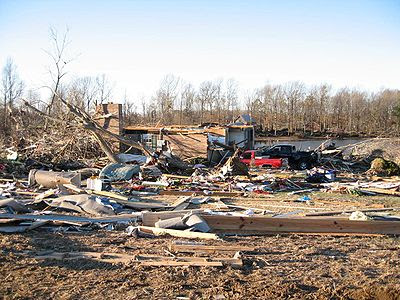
(212, 143)
(209, 141)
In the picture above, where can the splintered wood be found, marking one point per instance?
(190, 247)
(144, 259)
(178, 233)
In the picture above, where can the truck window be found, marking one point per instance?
(276, 150)
(258, 153)
(286, 149)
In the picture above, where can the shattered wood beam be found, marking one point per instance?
(178, 233)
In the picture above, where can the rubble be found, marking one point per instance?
(160, 195)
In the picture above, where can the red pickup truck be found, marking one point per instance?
(255, 157)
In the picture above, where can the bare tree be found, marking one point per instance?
(83, 93)
(322, 94)
(294, 92)
(104, 90)
(186, 103)
(218, 100)
(253, 103)
(12, 87)
(57, 55)
(166, 96)
(206, 95)
(129, 111)
(231, 96)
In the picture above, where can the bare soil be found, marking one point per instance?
(282, 267)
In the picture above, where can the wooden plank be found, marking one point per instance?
(244, 207)
(108, 194)
(381, 191)
(181, 204)
(171, 263)
(26, 193)
(338, 212)
(178, 233)
(294, 207)
(74, 188)
(200, 193)
(108, 257)
(221, 204)
(175, 176)
(143, 259)
(222, 260)
(150, 218)
(260, 233)
(174, 247)
(45, 194)
(306, 224)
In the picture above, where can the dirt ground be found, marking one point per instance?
(282, 267)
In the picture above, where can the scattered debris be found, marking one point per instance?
(158, 193)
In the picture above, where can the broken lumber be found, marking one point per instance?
(173, 263)
(200, 193)
(175, 176)
(143, 259)
(108, 194)
(178, 233)
(181, 204)
(74, 188)
(381, 191)
(301, 225)
(175, 247)
(338, 212)
(98, 256)
(154, 260)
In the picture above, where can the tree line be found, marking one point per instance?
(288, 108)
(291, 107)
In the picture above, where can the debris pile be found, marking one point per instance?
(157, 194)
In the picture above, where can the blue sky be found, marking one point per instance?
(136, 43)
